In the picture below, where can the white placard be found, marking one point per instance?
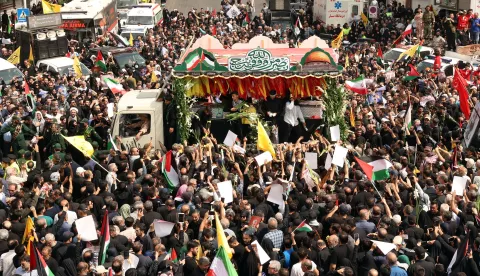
(110, 111)
(335, 133)
(385, 247)
(276, 194)
(226, 191)
(312, 160)
(132, 262)
(163, 228)
(262, 255)
(238, 149)
(458, 185)
(339, 156)
(328, 162)
(86, 228)
(230, 139)
(263, 158)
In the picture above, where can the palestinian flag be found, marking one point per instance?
(173, 255)
(376, 168)
(209, 59)
(246, 20)
(357, 85)
(169, 172)
(304, 227)
(9, 30)
(104, 240)
(100, 63)
(37, 262)
(114, 86)
(193, 60)
(413, 74)
(221, 265)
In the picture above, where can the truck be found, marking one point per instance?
(338, 11)
(123, 6)
(85, 19)
(147, 15)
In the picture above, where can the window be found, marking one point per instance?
(140, 20)
(355, 10)
(129, 58)
(131, 124)
(158, 16)
(8, 74)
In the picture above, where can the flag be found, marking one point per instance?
(214, 13)
(357, 85)
(398, 40)
(30, 56)
(29, 226)
(214, 30)
(410, 52)
(199, 253)
(9, 28)
(169, 172)
(15, 57)
(193, 60)
(374, 167)
(111, 144)
(114, 86)
(408, 116)
(209, 60)
(37, 262)
(460, 84)
(76, 67)
(130, 40)
(298, 26)
(304, 227)
(100, 63)
(413, 74)
(153, 77)
(337, 42)
(408, 30)
(221, 238)
(379, 51)
(81, 144)
(26, 88)
(364, 19)
(246, 20)
(352, 117)
(221, 265)
(460, 254)
(173, 255)
(49, 7)
(104, 239)
(347, 61)
(263, 141)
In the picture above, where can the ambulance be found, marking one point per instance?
(146, 15)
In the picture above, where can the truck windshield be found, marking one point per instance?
(8, 74)
(123, 4)
(67, 70)
(140, 20)
(130, 59)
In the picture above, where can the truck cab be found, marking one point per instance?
(147, 15)
(139, 109)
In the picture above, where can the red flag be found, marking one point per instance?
(214, 13)
(27, 88)
(466, 74)
(247, 18)
(437, 64)
(366, 168)
(168, 161)
(398, 40)
(214, 30)
(37, 262)
(105, 239)
(379, 52)
(413, 71)
(460, 84)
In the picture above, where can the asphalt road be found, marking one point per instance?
(187, 5)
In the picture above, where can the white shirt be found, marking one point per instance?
(71, 218)
(129, 233)
(110, 180)
(22, 272)
(297, 269)
(6, 262)
(293, 115)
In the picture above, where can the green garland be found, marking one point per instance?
(184, 108)
(335, 98)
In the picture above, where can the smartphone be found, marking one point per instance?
(356, 236)
(181, 217)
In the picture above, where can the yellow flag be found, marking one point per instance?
(50, 8)
(29, 226)
(15, 57)
(221, 238)
(29, 245)
(347, 62)
(30, 57)
(77, 68)
(364, 19)
(337, 42)
(153, 77)
(130, 40)
(352, 117)
(410, 52)
(199, 253)
(81, 144)
(263, 141)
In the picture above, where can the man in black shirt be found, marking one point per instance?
(190, 263)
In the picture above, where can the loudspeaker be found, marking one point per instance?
(53, 52)
(62, 44)
(41, 49)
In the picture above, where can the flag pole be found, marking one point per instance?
(372, 182)
(299, 225)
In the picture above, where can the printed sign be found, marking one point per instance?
(258, 60)
(22, 15)
(372, 12)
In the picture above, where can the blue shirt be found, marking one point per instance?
(287, 254)
(475, 27)
(397, 271)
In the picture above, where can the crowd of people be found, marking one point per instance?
(332, 220)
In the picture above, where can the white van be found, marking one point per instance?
(135, 31)
(61, 66)
(9, 71)
(393, 54)
(148, 15)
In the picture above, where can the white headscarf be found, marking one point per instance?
(41, 121)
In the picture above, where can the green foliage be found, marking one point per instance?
(184, 108)
(334, 98)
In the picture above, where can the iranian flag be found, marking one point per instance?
(100, 63)
(114, 86)
(37, 262)
(408, 30)
(357, 85)
(374, 167)
(304, 227)
(413, 74)
(221, 265)
(193, 60)
(169, 172)
(104, 240)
